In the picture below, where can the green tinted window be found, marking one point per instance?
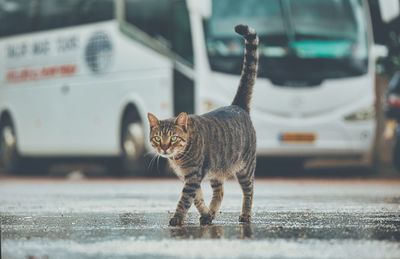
(24, 16)
(167, 21)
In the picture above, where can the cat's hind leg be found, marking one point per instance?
(215, 204)
(246, 181)
(218, 194)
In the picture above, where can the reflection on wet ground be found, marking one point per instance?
(84, 227)
(131, 220)
(33, 234)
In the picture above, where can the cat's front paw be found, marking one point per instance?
(176, 221)
(206, 219)
(244, 218)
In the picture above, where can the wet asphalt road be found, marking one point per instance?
(129, 219)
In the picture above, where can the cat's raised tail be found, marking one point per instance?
(249, 69)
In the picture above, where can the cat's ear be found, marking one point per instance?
(153, 121)
(182, 120)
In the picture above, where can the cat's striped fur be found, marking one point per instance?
(215, 145)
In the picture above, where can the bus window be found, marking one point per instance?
(314, 18)
(96, 11)
(300, 41)
(58, 14)
(165, 20)
(15, 17)
(182, 36)
(22, 16)
(152, 17)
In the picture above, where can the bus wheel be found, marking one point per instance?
(131, 160)
(396, 150)
(9, 157)
(280, 166)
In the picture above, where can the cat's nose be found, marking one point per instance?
(164, 147)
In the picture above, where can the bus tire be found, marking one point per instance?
(10, 160)
(131, 160)
(280, 166)
(396, 150)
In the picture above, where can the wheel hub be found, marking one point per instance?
(133, 142)
(7, 146)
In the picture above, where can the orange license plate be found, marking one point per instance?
(298, 137)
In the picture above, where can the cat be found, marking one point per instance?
(215, 145)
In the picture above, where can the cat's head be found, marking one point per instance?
(169, 137)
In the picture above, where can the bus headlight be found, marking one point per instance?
(361, 115)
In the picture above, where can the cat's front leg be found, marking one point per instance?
(187, 196)
(206, 216)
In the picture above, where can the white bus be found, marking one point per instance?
(314, 96)
(77, 80)
(78, 76)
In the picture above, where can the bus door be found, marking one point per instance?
(164, 27)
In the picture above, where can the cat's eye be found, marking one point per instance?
(157, 139)
(174, 138)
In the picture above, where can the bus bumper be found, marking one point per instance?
(332, 140)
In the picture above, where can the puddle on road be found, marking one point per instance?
(154, 226)
(147, 235)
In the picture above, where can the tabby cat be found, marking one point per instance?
(215, 145)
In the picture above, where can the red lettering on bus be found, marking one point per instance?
(27, 74)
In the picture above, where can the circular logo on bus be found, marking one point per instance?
(98, 52)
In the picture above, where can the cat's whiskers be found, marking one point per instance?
(155, 160)
(158, 164)
(151, 162)
(149, 153)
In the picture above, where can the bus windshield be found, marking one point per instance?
(308, 40)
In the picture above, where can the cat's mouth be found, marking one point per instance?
(167, 155)
(170, 155)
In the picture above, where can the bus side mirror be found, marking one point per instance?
(201, 7)
(390, 9)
